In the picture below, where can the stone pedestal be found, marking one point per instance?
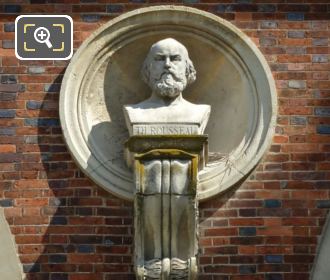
(166, 208)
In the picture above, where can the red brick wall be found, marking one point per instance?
(66, 228)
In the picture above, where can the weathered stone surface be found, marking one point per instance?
(321, 268)
(166, 208)
(240, 88)
(10, 267)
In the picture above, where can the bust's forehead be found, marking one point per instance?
(169, 46)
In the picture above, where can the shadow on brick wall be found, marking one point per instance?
(66, 227)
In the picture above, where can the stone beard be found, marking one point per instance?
(170, 84)
(165, 197)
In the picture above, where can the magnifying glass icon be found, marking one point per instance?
(41, 35)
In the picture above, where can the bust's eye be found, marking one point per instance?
(175, 58)
(159, 58)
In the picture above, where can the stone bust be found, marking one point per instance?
(167, 70)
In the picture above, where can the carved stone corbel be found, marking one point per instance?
(165, 205)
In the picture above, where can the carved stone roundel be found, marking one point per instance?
(232, 76)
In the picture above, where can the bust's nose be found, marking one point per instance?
(167, 64)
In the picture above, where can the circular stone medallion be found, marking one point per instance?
(232, 76)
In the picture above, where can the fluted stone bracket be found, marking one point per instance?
(166, 208)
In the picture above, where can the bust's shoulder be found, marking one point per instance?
(197, 109)
(134, 111)
(202, 107)
(138, 108)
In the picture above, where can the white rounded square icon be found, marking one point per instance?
(43, 37)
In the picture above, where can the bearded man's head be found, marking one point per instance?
(168, 69)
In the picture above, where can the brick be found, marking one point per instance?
(59, 221)
(273, 212)
(245, 259)
(57, 258)
(59, 276)
(82, 239)
(7, 96)
(247, 269)
(266, 42)
(91, 18)
(274, 258)
(12, 9)
(285, 58)
(320, 42)
(273, 276)
(297, 120)
(223, 250)
(7, 148)
(297, 84)
(308, 175)
(295, 16)
(31, 201)
(245, 7)
(298, 259)
(184, 1)
(7, 131)
(10, 88)
(31, 139)
(242, 16)
(246, 222)
(243, 1)
(89, 8)
(323, 203)
(224, 8)
(322, 111)
(91, 276)
(8, 44)
(85, 249)
(6, 202)
(321, 84)
(296, 50)
(41, 122)
(115, 8)
(9, 27)
(272, 203)
(8, 79)
(84, 258)
(221, 232)
(267, 8)
(34, 105)
(7, 113)
(293, 8)
(323, 129)
(319, 58)
(247, 231)
(36, 70)
(268, 24)
(296, 34)
(247, 212)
